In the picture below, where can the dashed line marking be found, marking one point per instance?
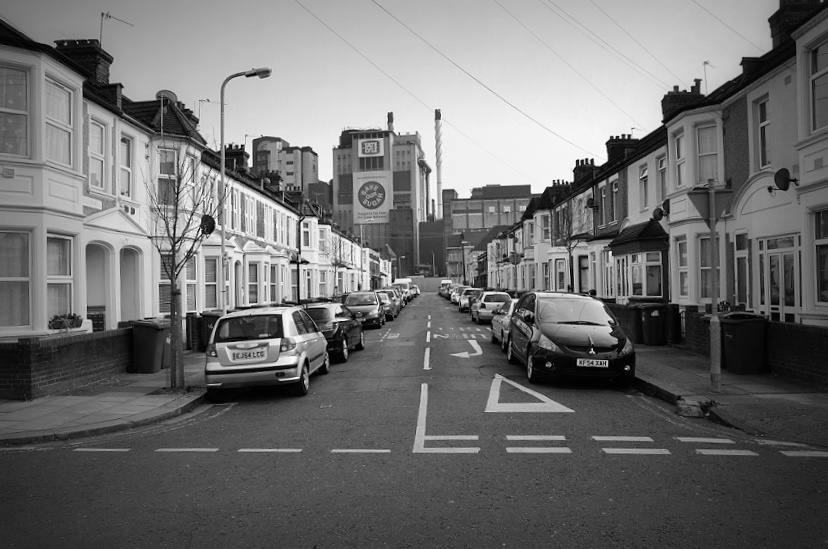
(359, 451)
(535, 437)
(717, 452)
(704, 440)
(101, 449)
(539, 450)
(621, 439)
(428, 337)
(805, 453)
(640, 451)
(203, 450)
(269, 450)
(427, 359)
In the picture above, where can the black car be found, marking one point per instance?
(367, 307)
(341, 327)
(560, 334)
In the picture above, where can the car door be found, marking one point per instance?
(349, 323)
(521, 325)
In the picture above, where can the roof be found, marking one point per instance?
(647, 236)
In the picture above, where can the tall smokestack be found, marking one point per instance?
(390, 121)
(438, 140)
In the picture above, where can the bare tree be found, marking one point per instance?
(336, 253)
(183, 201)
(570, 230)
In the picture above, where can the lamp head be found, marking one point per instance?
(261, 72)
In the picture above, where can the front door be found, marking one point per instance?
(780, 280)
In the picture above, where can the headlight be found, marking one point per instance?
(628, 348)
(546, 343)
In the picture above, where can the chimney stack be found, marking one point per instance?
(789, 16)
(583, 169)
(677, 101)
(390, 121)
(619, 147)
(89, 55)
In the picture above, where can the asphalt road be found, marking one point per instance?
(414, 443)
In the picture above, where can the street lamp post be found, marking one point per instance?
(262, 72)
(463, 244)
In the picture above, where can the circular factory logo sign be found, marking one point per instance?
(371, 195)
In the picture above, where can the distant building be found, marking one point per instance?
(297, 166)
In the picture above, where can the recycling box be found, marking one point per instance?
(744, 342)
(150, 345)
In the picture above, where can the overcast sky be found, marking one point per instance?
(526, 87)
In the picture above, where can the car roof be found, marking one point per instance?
(262, 311)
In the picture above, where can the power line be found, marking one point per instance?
(482, 84)
(605, 96)
(713, 15)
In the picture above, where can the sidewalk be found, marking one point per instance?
(763, 405)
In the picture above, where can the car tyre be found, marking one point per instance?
(510, 353)
(531, 374)
(343, 353)
(302, 387)
(361, 345)
(503, 342)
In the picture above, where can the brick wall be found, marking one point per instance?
(797, 351)
(696, 331)
(35, 367)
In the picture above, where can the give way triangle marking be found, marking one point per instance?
(546, 404)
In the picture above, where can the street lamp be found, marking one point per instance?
(463, 244)
(262, 72)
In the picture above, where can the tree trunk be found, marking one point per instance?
(176, 358)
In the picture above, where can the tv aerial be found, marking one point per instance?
(108, 15)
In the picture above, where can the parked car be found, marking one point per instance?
(399, 293)
(557, 334)
(393, 307)
(415, 290)
(464, 296)
(483, 307)
(445, 285)
(341, 327)
(455, 293)
(265, 346)
(368, 308)
(500, 323)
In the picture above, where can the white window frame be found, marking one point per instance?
(683, 270)
(98, 157)
(818, 78)
(63, 277)
(16, 143)
(709, 156)
(211, 296)
(164, 285)
(681, 159)
(126, 161)
(166, 183)
(643, 187)
(253, 282)
(741, 269)
(190, 285)
(661, 183)
(59, 124)
(820, 241)
(763, 132)
(22, 276)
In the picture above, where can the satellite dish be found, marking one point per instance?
(665, 206)
(590, 202)
(208, 224)
(658, 214)
(783, 179)
(168, 95)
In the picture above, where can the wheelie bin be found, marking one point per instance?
(149, 345)
(208, 320)
(744, 342)
(652, 323)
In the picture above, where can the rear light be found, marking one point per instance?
(482, 305)
(287, 344)
(211, 351)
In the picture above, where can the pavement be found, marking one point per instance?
(762, 405)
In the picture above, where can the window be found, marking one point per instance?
(742, 270)
(166, 177)
(621, 272)
(681, 247)
(252, 283)
(545, 227)
(236, 209)
(708, 154)
(274, 293)
(191, 281)
(164, 286)
(643, 195)
(507, 209)
(681, 176)
(306, 235)
(609, 273)
(14, 113)
(59, 122)
(661, 188)
(58, 275)
(764, 128)
(546, 282)
(97, 138)
(126, 166)
(14, 279)
(603, 206)
(646, 274)
(583, 273)
(821, 241)
(491, 209)
(323, 283)
(819, 86)
(705, 268)
(614, 204)
(560, 275)
(211, 283)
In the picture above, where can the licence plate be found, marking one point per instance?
(593, 363)
(249, 355)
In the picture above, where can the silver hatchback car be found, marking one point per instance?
(266, 346)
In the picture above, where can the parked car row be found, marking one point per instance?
(551, 334)
(284, 345)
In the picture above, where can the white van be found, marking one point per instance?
(405, 285)
(445, 284)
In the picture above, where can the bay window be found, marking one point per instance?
(708, 154)
(97, 154)
(253, 283)
(191, 284)
(14, 112)
(819, 86)
(59, 120)
(681, 249)
(681, 176)
(58, 275)
(167, 185)
(211, 283)
(126, 166)
(821, 242)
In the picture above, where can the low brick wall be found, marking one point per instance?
(797, 351)
(35, 367)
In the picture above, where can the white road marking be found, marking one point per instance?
(465, 354)
(444, 336)
(622, 439)
(535, 437)
(359, 451)
(642, 451)
(780, 443)
(717, 452)
(705, 440)
(101, 450)
(805, 453)
(427, 358)
(544, 450)
(187, 450)
(428, 337)
(428, 325)
(546, 404)
(420, 436)
(269, 450)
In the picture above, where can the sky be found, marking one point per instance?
(525, 87)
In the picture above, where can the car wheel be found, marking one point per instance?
(343, 353)
(325, 368)
(361, 345)
(216, 395)
(510, 354)
(503, 342)
(303, 386)
(531, 374)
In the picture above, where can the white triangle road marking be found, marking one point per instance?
(546, 404)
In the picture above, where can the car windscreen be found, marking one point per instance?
(562, 310)
(384, 297)
(320, 314)
(495, 298)
(361, 299)
(242, 328)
